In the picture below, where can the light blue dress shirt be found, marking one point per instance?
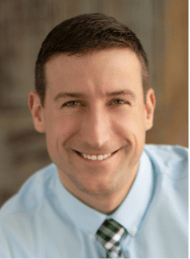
(45, 220)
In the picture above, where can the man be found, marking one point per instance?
(107, 194)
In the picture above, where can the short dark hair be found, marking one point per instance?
(85, 33)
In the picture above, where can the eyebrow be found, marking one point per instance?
(79, 95)
(68, 94)
(122, 92)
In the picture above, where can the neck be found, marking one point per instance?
(105, 203)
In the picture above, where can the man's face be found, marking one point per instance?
(95, 119)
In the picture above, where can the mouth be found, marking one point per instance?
(95, 157)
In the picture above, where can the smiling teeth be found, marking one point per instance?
(94, 157)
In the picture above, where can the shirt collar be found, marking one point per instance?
(133, 209)
(129, 214)
(81, 215)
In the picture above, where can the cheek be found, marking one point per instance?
(132, 121)
(131, 127)
(59, 129)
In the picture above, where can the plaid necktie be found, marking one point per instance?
(109, 234)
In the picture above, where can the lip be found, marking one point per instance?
(96, 160)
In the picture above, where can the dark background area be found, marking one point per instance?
(161, 25)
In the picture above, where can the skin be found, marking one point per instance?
(107, 115)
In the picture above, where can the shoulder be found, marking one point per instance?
(170, 174)
(168, 209)
(169, 160)
(18, 214)
(31, 193)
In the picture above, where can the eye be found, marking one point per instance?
(118, 102)
(71, 103)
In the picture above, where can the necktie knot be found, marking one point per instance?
(110, 234)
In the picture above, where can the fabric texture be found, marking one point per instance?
(110, 234)
(44, 220)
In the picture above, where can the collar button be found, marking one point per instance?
(91, 236)
(134, 230)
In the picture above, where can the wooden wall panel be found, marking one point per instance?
(171, 115)
(176, 72)
(161, 25)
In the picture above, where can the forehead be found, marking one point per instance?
(121, 55)
(104, 69)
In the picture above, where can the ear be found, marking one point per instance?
(37, 111)
(150, 106)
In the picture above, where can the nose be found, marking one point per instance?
(96, 128)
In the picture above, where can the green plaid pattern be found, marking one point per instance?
(109, 234)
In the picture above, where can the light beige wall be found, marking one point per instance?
(161, 25)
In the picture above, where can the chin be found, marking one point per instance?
(99, 188)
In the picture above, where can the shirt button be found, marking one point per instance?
(134, 230)
(113, 255)
(91, 236)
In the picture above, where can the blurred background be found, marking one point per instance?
(161, 25)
